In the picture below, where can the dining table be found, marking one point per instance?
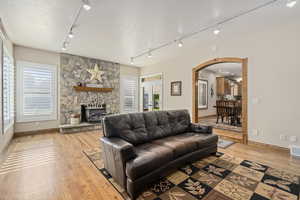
(233, 112)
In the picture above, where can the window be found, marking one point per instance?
(8, 90)
(36, 92)
(129, 94)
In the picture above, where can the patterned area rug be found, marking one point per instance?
(220, 177)
(224, 143)
(220, 125)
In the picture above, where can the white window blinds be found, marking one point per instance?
(129, 94)
(37, 94)
(8, 90)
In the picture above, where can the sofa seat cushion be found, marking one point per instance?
(202, 140)
(179, 147)
(149, 157)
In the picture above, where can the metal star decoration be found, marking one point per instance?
(95, 73)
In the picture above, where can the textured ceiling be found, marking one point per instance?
(118, 29)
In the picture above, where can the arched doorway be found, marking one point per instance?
(244, 63)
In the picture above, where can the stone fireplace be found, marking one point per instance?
(74, 71)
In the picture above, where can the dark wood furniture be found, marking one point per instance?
(230, 110)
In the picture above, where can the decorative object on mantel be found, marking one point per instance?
(96, 74)
(91, 89)
(176, 88)
(75, 119)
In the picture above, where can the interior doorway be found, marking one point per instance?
(151, 92)
(230, 96)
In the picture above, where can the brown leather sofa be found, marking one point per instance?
(140, 148)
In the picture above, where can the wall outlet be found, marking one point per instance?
(293, 138)
(283, 137)
(255, 132)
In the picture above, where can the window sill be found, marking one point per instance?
(36, 119)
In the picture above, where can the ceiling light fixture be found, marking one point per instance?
(86, 5)
(209, 27)
(149, 54)
(131, 60)
(180, 43)
(217, 31)
(64, 47)
(291, 3)
(71, 34)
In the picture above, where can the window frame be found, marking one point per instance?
(136, 96)
(20, 97)
(7, 126)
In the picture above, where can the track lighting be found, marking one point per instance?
(64, 47)
(291, 3)
(71, 34)
(86, 4)
(180, 44)
(131, 60)
(215, 27)
(217, 31)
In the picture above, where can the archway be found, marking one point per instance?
(244, 62)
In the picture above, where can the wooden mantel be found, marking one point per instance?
(91, 89)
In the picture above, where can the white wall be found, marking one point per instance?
(211, 79)
(129, 70)
(273, 75)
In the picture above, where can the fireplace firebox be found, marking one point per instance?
(93, 113)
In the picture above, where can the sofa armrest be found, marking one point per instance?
(116, 152)
(197, 128)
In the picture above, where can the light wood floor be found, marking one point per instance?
(53, 167)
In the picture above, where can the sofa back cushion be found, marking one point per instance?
(129, 127)
(139, 128)
(179, 121)
(157, 124)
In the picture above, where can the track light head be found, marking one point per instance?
(71, 34)
(65, 45)
(86, 5)
(131, 60)
(217, 31)
(149, 54)
(291, 3)
(180, 43)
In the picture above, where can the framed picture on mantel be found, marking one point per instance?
(176, 88)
